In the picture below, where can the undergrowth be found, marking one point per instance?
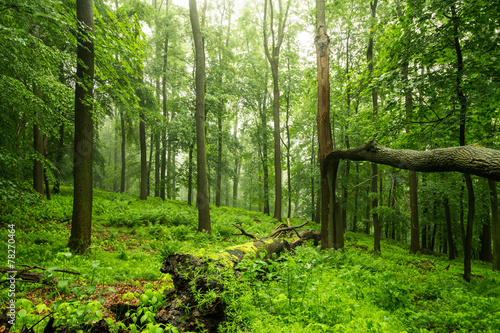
(353, 290)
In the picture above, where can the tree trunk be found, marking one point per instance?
(463, 114)
(122, 177)
(273, 58)
(331, 228)
(165, 116)
(81, 224)
(449, 232)
(190, 174)
(144, 162)
(236, 164)
(38, 166)
(202, 202)
(157, 165)
(495, 221)
(218, 188)
(485, 253)
(263, 116)
(58, 163)
(375, 217)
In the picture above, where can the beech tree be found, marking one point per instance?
(273, 55)
(81, 223)
(202, 202)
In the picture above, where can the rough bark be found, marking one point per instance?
(81, 224)
(202, 202)
(480, 161)
(325, 139)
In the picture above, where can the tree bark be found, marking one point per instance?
(495, 221)
(122, 176)
(414, 234)
(37, 165)
(236, 164)
(331, 228)
(375, 217)
(273, 58)
(202, 202)
(449, 232)
(165, 116)
(144, 164)
(480, 161)
(81, 224)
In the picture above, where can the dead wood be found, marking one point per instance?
(244, 233)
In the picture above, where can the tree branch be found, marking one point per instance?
(479, 161)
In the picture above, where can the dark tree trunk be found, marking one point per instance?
(38, 166)
(495, 219)
(449, 232)
(485, 238)
(202, 202)
(325, 139)
(59, 157)
(81, 224)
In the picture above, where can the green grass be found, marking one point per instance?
(310, 291)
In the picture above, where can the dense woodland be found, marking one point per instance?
(347, 114)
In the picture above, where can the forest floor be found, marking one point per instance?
(353, 290)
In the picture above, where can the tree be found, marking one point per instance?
(332, 234)
(81, 224)
(201, 158)
(273, 58)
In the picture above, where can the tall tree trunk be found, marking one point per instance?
(313, 190)
(150, 164)
(218, 171)
(332, 233)
(165, 116)
(59, 157)
(38, 166)
(289, 179)
(236, 164)
(449, 232)
(264, 155)
(273, 58)
(157, 165)
(81, 224)
(190, 174)
(463, 114)
(374, 201)
(122, 176)
(202, 193)
(495, 221)
(485, 253)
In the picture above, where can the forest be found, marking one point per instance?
(249, 166)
